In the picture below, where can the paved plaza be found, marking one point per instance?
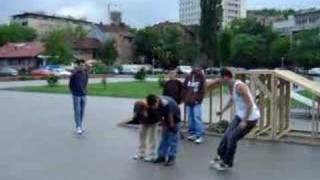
(37, 143)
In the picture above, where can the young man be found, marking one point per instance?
(194, 91)
(78, 87)
(170, 113)
(173, 87)
(148, 120)
(246, 116)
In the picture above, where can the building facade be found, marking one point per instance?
(190, 11)
(301, 21)
(44, 23)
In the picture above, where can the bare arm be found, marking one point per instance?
(228, 105)
(212, 84)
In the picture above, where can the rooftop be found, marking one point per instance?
(21, 50)
(43, 15)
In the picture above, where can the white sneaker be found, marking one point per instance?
(138, 157)
(148, 159)
(192, 138)
(215, 161)
(199, 140)
(221, 166)
(79, 130)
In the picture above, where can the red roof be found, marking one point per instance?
(21, 50)
(87, 43)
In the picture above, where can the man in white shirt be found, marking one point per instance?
(247, 114)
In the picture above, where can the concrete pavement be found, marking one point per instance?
(37, 143)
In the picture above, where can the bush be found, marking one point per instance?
(99, 69)
(25, 78)
(140, 75)
(161, 80)
(52, 81)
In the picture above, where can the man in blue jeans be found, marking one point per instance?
(171, 118)
(194, 91)
(78, 87)
(247, 114)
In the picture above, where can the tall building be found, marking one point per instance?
(190, 11)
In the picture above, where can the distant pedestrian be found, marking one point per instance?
(171, 119)
(78, 87)
(148, 121)
(173, 87)
(194, 91)
(247, 114)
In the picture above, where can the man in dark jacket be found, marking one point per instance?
(171, 118)
(194, 91)
(173, 87)
(78, 87)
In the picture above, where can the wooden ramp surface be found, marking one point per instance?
(292, 77)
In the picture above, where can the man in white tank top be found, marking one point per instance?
(246, 116)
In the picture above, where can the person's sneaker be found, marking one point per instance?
(221, 166)
(138, 157)
(199, 140)
(159, 160)
(148, 159)
(170, 161)
(79, 131)
(215, 161)
(192, 138)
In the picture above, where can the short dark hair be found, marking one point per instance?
(152, 99)
(224, 72)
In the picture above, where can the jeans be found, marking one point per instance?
(148, 140)
(169, 142)
(79, 103)
(233, 134)
(195, 120)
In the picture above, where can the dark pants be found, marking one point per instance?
(233, 134)
(169, 142)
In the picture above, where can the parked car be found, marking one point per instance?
(314, 72)
(184, 69)
(158, 71)
(60, 72)
(8, 71)
(134, 68)
(42, 72)
(212, 70)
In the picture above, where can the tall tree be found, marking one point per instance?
(210, 24)
(108, 53)
(16, 33)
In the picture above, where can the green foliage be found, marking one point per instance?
(108, 53)
(99, 68)
(53, 81)
(280, 48)
(58, 47)
(16, 33)
(161, 80)
(225, 40)
(273, 12)
(141, 75)
(189, 52)
(248, 51)
(306, 48)
(210, 24)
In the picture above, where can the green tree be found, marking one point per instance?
(306, 48)
(145, 41)
(16, 33)
(210, 24)
(248, 51)
(59, 41)
(58, 47)
(225, 40)
(189, 52)
(108, 54)
(280, 48)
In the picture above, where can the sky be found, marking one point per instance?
(137, 13)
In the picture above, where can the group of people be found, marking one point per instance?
(164, 110)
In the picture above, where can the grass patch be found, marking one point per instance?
(120, 89)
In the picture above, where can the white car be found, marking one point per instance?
(8, 71)
(314, 71)
(61, 72)
(184, 69)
